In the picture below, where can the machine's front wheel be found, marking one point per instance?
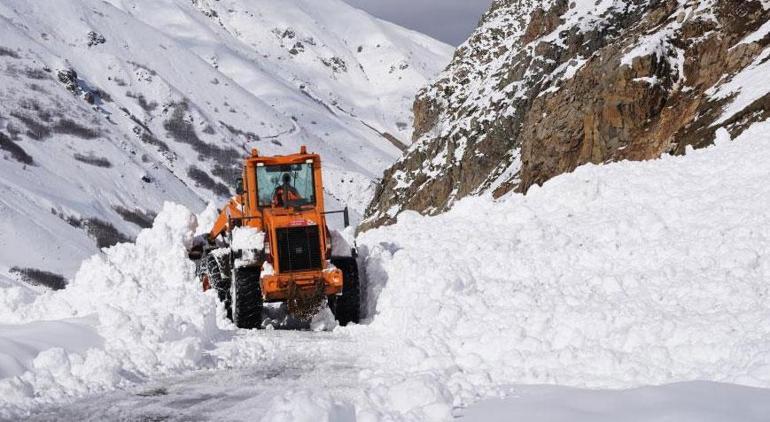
(246, 298)
(347, 308)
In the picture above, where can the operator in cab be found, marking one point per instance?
(285, 192)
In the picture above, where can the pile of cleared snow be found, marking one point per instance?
(613, 276)
(131, 312)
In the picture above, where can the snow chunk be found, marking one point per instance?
(343, 241)
(324, 320)
(267, 269)
(722, 136)
(207, 218)
(248, 239)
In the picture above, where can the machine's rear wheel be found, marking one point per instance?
(246, 298)
(347, 308)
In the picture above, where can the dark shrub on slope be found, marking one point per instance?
(41, 278)
(205, 181)
(17, 152)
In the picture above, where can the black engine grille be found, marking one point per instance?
(299, 249)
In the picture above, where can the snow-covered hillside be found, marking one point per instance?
(614, 276)
(110, 108)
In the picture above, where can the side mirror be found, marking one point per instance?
(239, 186)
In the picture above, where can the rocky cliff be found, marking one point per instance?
(542, 87)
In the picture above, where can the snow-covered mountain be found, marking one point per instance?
(543, 87)
(614, 276)
(109, 108)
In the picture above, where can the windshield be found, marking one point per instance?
(286, 185)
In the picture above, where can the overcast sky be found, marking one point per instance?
(451, 21)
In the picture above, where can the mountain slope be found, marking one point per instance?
(110, 108)
(543, 87)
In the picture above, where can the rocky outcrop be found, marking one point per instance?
(545, 86)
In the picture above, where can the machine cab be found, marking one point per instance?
(286, 185)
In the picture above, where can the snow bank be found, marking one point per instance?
(683, 402)
(140, 314)
(21, 344)
(614, 276)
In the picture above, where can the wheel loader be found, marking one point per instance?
(271, 243)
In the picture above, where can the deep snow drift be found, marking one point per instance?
(130, 312)
(614, 276)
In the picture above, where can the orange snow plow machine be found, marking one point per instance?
(271, 243)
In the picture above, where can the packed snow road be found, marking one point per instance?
(615, 276)
(298, 376)
(248, 395)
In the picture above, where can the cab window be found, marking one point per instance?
(286, 186)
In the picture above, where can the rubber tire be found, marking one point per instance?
(213, 267)
(246, 298)
(347, 308)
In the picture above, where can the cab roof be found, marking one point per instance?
(303, 155)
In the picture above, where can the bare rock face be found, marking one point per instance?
(545, 86)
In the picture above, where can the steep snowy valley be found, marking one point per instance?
(111, 108)
(632, 288)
